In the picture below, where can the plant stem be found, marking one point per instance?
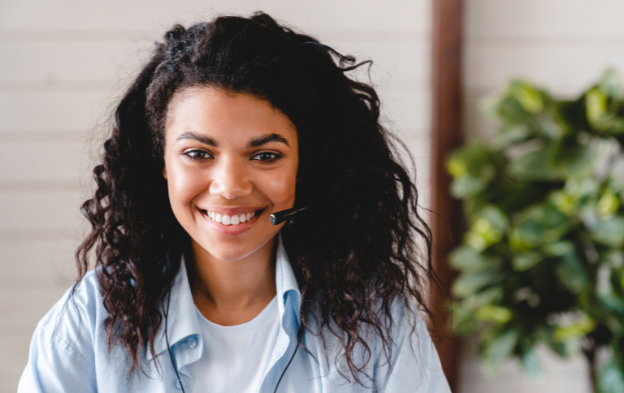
(589, 350)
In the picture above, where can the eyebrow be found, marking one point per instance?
(206, 140)
(267, 139)
(257, 142)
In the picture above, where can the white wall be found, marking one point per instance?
(63, 64)
(563, 45)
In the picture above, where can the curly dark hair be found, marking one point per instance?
(361, 246)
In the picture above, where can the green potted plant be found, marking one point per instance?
(542, 259)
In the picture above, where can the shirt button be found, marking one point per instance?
(178, 384)
(192, 343)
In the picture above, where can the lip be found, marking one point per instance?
(231, 229)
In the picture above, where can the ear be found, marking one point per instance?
(164, 172)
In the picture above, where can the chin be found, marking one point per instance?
(232, 249)
(229, 255)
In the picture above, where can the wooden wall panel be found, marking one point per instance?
(446, 135)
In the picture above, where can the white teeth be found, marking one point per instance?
(231, 220)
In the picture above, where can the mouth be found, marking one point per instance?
(234, 219)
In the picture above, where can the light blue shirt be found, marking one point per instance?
(69, 350)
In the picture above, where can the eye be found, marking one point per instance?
(197, 154)
(267, 157)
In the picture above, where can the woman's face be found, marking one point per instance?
(230, 160)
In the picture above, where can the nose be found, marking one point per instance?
(230, 179)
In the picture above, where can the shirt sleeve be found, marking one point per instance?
(416, 366)
(61, 353)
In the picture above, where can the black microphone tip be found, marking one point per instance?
(285, 215)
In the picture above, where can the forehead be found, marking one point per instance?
(224, 115)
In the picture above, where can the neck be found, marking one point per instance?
(232, 292)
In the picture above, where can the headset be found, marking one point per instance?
(276, 219)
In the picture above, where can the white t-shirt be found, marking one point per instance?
(235, 358)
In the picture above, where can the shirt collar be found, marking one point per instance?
(182, 319)
(285, 282)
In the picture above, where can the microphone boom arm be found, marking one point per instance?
(285, 215)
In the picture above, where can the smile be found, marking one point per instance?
(234, 219)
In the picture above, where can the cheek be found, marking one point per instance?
(281, 189)
(183, 187)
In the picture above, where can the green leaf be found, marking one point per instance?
(602, 110)
(559, 249)
(467, 259)
(490, 106)
(528, 96)
(467, 186)
(576, 160)
(471, 160)
(548, 127)
(472, 170)
(494, 313)
(564, 202)
(463, 321)
(564, 349)
(608, 204)
(531, 364)
(596, 103)
(488, 227)
(541, 224)
(526, 260)
(484, 297)
(498, 348)
(528, 233)
(572, 273)
(615, 258)
(612, 303)
(611, 379)
(469, 283)
(506, 109)
(458, 164)
(536, 166)
(610, 232)
(581, 188)
(571, 116)
(511, 135)
(575, 330)
(611, 84)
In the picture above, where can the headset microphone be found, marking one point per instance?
(285, 215)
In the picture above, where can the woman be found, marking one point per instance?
(194, 288)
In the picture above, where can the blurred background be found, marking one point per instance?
(65, 63)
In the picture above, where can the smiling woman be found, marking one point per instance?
(194, 286)
(230, 160)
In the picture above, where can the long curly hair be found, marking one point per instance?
(359, 249)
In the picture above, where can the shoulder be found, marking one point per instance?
(71, 326)
(62, 349)
(414, 364)
(81, 303)
(405, 361)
